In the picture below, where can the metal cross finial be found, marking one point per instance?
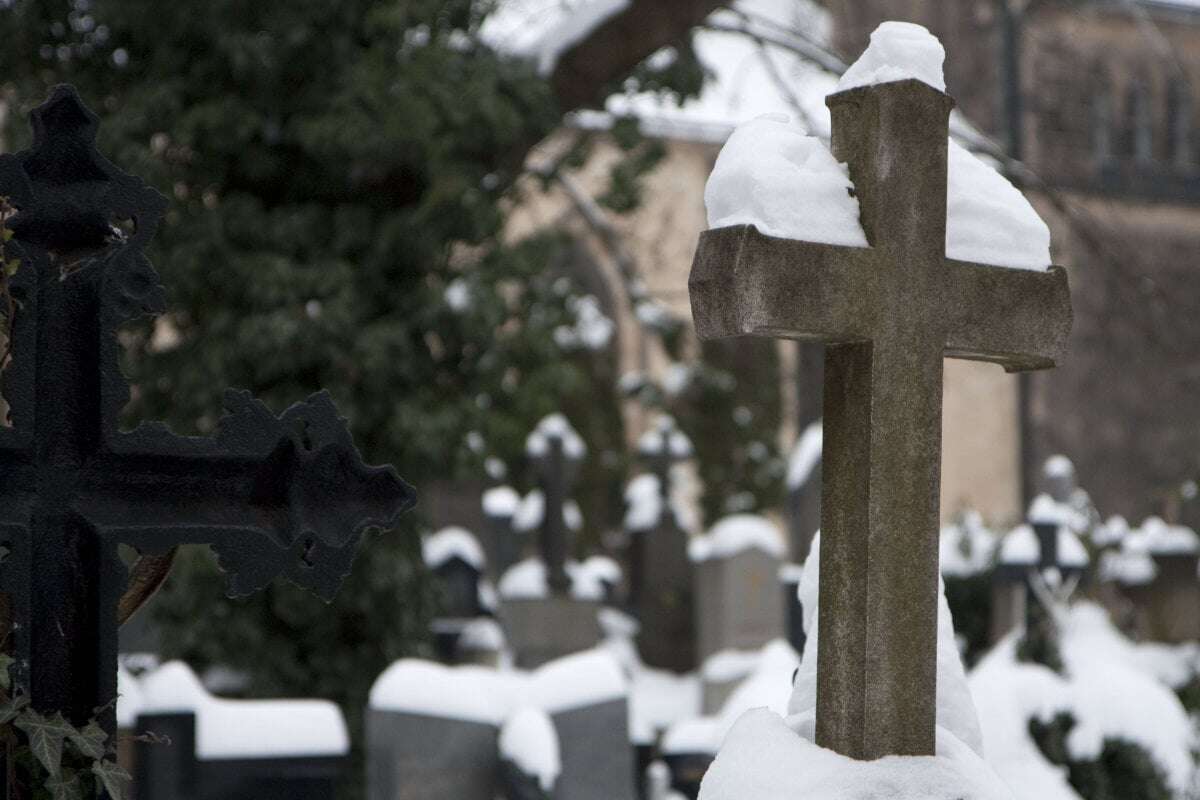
(273, 495)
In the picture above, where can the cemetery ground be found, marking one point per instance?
(639, 562)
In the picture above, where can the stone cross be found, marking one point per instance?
(555, 450)
(888, 314)
(286, 495)
(661, 573)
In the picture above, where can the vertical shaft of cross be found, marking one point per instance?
(554, 529)
(877, 660)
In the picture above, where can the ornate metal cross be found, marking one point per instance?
(889, 313)
(286, 495)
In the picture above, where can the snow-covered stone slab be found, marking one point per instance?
(245, 728)
(435, 732)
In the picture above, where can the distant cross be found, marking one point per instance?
(556, 452)
(888, 315)
(286, 495)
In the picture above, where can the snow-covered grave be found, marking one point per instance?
(868, 272)
(1159, 563)
(739, 598)
(443, 732)
(500, 505)
(224, 748)
(457, 561)
(660, 574)
(548, 602)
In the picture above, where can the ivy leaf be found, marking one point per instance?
(90, 741)
(66, 786)
(11, 707)
(12, 266)
(6, 661)
(46, 736)
(112, 779)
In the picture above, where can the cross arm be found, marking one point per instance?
(746, 283)
(272, 495)
(1017, 318)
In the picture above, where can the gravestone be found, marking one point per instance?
(457, 562)
(209, 748)
(500, 541)
(661, 578)
(738, 604)
(888, 313)
(433, 731)
(272, 495)
(1168, 606)
(548, 618)
(1044, 557)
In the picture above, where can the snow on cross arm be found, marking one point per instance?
(788, 185)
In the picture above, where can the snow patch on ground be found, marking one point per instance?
(1112, 687)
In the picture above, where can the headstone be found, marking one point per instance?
(546, 611)
(660, 573)
(433, 731)
(457, 562)
(272, 495)
(500, 504)
(209, 748)
(889, 314)
(1168, 606)
(1039, 561)
(739, 609)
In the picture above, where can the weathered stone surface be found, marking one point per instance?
(418, 757)
(597, 759)
(543, 629)
(1168, 608)
(888, 315)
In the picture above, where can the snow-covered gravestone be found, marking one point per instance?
(457, 561)
(739, 608)
(548, 605)
(867, 263)
(1168, 606)
(660, 572)
(212, 747)
(500, 504)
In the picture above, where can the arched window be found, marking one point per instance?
(1138, 123)
(1179, 123)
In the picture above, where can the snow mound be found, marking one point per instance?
(1110, 686)
(737, 533)
(1022, 548)
(988, 220)
(1159, 538)
(768, 685)
(528, 739)
(129, 698)
(805, 456)
(490, 696)
(532, 510)
(452, 542)
(664, 437)
(764, 758)
(501, 501)
(786, 184)
(526, 580)
(967, 548)
(554, 426)
(955, 711)
(482, 635)
(245, 728)
(898, 51)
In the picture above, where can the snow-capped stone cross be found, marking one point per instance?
(888, 313)
(556, 452)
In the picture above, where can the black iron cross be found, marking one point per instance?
(286, 495)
